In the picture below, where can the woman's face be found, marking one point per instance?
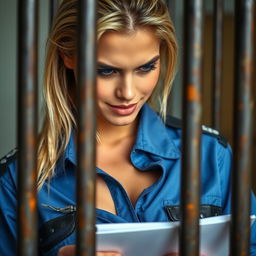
(128, 68)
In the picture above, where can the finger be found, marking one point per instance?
(68, 250)
(177, 254)
(108, 254)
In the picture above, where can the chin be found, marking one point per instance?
(121, 121)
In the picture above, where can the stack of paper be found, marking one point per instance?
(158, 239)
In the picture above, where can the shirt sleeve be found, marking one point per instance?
(8, 222)
(253, 228)
(225, 165)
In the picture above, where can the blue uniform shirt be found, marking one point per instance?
(157, 147)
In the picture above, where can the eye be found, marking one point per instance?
(105, 72)
(147, 68)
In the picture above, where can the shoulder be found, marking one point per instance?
(7, 160)
(176, 124)
(216, 153)
(215, 149)
(8, 166)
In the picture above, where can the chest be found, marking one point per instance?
(131, 179)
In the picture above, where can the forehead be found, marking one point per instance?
(127, 50)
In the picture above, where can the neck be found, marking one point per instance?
(109, 134)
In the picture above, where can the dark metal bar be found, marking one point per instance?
(27, 126)
(54, 4)
(217, 61)
(243, 107)
(86, 128)
(171, 7)
(190, 177)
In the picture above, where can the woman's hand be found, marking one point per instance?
(177, 254)
(69, 250)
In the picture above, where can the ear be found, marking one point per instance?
(69, 61)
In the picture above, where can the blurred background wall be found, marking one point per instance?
(8, 68)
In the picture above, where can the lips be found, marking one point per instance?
(123, 110)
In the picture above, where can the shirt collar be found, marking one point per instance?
(70, 152)
(152, 137)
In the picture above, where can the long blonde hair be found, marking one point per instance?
(113, 15)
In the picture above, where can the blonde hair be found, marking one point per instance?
(113, 15)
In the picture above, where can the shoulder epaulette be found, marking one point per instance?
(8, 158)
(208, 130)
(175, 122)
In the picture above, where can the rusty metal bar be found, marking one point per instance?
(27, 126)
(190, 177)
(86, 128)
(243, 106)
(54, 4)
(217, 61)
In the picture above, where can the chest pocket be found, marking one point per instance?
(56, 230)
(205, 211)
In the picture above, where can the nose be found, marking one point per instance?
(126, 88)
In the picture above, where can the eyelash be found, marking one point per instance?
(107, 72)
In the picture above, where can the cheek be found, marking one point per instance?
(103, 89)
(151, 82)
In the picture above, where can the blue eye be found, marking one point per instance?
(148, 68)
(105, 72)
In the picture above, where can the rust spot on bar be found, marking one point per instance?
(193, 94)
(240, 106)
(243, 140)
(190, 206)
(31, 140)
(248, 67)
(32, 203)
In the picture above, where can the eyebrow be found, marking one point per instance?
(105, 66)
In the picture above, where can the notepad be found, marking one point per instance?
(160, 238)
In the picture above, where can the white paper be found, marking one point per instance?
(160, 238)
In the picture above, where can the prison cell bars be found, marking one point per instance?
(27, 86)
(27, 126)
(243, 137)
(53, 10)
(217, 61)
(86, 173)
(191, 130)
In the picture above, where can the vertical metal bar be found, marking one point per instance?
(171, 4)
(27, 126)
(54, 4)
(217, 61)
(86, 128)
(243, 104)
(190, 177)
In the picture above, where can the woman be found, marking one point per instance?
(138, 154)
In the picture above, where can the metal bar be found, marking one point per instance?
(54, 4)
(171, 4)
(243, 107)
(27, 126)
(190, 177)
(86, 128)
(217, 61)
